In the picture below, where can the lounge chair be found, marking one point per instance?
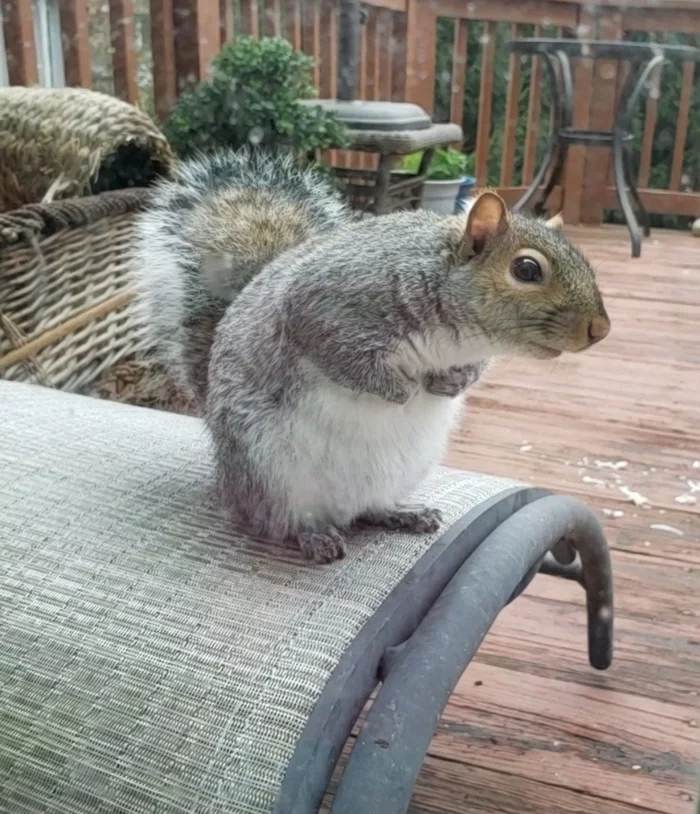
(152, 659)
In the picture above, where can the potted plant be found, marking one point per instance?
(448, 179)
(252, 97)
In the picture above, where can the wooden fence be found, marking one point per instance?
(400, 60)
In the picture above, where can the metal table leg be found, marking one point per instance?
(381, 189)
(642, 214)
(554, 161)
(632, 206)
(623, 194)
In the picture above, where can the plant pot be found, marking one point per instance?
(441, 196)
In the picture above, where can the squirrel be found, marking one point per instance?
(330, 355)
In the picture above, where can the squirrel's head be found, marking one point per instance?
(537, 293)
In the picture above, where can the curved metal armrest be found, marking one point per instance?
(419, 676)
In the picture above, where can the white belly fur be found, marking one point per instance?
(359, 452)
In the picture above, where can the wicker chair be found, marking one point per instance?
(66, 311)
(58, 143)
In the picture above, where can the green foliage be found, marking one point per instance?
(252, 97)
(445, 165)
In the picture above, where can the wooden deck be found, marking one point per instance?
(531, 727)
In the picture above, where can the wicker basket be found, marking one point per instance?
(66, 311)
(58, 143)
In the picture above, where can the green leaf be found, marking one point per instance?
(446, 164)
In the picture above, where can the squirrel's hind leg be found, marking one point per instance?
(416, 519)
(265, 512)
(321, 545)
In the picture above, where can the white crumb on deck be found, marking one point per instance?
(632, 496)
(664, 527)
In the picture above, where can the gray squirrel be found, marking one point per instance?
(330, 355)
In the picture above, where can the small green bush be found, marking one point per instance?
(252, 98)
(446, 164)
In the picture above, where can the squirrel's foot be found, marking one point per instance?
(416, 519)
(321, 545)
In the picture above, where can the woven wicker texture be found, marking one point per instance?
(57, 139)
(150, 658)
(66, 313)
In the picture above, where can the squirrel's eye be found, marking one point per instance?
(526, 269)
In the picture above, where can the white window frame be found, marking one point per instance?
(47, 41)
(46, 23)
(4, 77)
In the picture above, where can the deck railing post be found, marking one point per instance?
(606, 25)
(421, 46)
(19, 42)
(197, 25)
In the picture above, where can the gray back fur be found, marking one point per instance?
(207, 233)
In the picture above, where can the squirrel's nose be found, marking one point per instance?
(598, 328)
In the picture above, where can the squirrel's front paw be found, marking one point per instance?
(419, 520)
(452, 382)
(323, 546)
(401, 389)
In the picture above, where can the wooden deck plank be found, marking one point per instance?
(562, 425)
(530, 726)
(647, 663)
(593, 740)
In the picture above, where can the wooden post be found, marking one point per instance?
(372, 71)
(533, 115)
(459, 68)
(310, 36)
(272, 22)
(348, 35)
(76, 43)
(649, 127)
(225, 21)
(601, 116)
(249, 18)
(197, 39)
(121, 25)
(576, 157)
(421, 44)
(163, 47)
(386, 32)
(511, 116)
(328, 50)
(398, 58)
(293, 23)
(682, 125)
(19, 42)
(483, 131)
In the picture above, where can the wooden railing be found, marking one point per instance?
(588, 183)
(446, 55)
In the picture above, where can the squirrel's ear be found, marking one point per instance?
(488, 218)
(557, 222)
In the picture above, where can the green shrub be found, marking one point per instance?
(252, 98)
(446, 164)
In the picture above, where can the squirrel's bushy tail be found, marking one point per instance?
(207, 233)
